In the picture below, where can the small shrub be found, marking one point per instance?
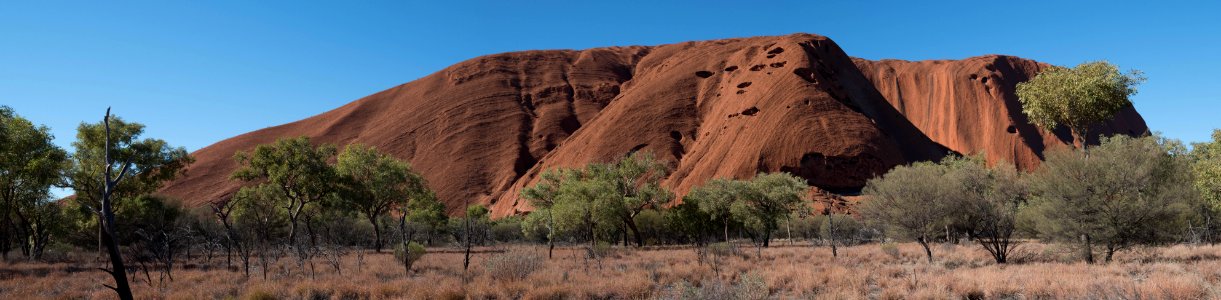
(600, 250)
(260, 295)
(409, 255)
(891, 249)
(722, 249)
(513, 265)
(749, 286)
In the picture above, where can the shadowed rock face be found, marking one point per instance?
(484, 128)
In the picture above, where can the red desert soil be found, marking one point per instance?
(484, 128)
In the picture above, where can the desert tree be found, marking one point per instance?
(478, 218)
(1077, 97)
(30, 164)
(687, 220)
(43, 220)
(376, 183)
(611, 194)
(160, 233)
(715, 199)
(297, 169)
(583, 204)
(636, 185)
(767, 199)
(1128, 191)
(838, 229)
(424, 210)
(542, 197)
(110, 164)
(1206, 171)
(256, 223)
(910, 201)
(507, 229)
(834, 224)
(223, 212)
(987, 202)
(427, 212)
(481, 222)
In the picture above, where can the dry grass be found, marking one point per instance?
(867, 271)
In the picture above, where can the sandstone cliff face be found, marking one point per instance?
(484, 128)
(970, 106)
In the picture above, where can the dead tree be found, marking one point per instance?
(107, 220)
(466, 259)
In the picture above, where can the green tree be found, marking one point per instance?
(584, 203)
(297, 168)
(636, 183)
(1079, 97)
(111, 163)
(30, 164)
(688, 220)
(1206, 168)
(542, 196)
(985, 202)
(426, 211)
(478, 217)
(257, 222)
(1128, 191)
(377, 183)
(767, 199)
(44, 220)
(716, 198)
(911, 201)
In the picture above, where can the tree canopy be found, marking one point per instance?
(1077, 97)
(1206, 168)
(30, 164)
(150, 162)
(295, 167)
(1127, 191)
(376, 183)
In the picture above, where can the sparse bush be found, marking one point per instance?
(749, 286)
(260, 294)
(890, 249)
(507, 230)
(722, 249)
(1125, 192)
(409, 255)
(601, 249)
(514, 265)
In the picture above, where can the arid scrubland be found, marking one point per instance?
(871, 271)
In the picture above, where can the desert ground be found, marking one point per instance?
(783, 271)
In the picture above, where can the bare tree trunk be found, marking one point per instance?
(377, 234)
(927, 251)
(466, 258)
(107, 221)
(726, 230)
(1089, 249)
(788, 226)
(635, 232)
(831, 232)
(550, 234)
(406, 244)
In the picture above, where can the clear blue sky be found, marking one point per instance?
(197, 73)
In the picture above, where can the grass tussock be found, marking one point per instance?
(887, 271)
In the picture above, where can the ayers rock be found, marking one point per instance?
(484, 128)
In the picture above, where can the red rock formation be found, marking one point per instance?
(970, 106)
(484, 128)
